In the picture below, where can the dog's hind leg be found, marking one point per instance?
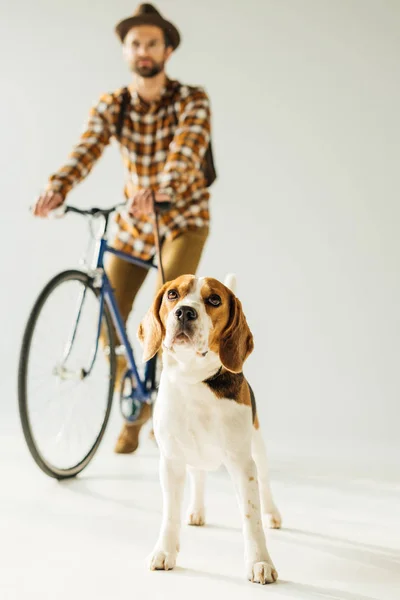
(270, 513)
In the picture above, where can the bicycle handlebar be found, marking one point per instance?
(97, 211)
(89, 212)
(106, 212)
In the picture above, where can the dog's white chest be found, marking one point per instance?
(188, 424)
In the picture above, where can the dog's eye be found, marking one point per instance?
(173, 295)
(214, 300)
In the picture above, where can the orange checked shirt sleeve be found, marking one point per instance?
(96, 136)
(189, 145)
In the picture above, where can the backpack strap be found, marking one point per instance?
(125, 99)
(208, 166)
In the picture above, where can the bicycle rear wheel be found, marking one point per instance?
(65, 386)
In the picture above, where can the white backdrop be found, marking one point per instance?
(305, 95)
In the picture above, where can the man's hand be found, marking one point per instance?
(47, 202)
(141, 203)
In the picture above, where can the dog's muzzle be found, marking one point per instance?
(183, 329)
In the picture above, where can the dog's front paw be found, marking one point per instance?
(261, 572)
(161, 560)
(196, 517)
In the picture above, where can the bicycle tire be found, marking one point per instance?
(45, 465)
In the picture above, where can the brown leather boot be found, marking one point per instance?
(128, 440)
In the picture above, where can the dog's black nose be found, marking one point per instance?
(186, 313)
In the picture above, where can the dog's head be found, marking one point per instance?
(191, 315)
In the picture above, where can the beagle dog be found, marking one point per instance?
(205, 414)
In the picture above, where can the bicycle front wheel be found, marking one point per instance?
(65, 386)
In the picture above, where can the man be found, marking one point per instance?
(163, 141)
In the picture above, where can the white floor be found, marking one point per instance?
(88, 538)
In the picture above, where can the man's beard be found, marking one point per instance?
(148, 71)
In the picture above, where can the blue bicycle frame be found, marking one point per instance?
(107, 295)
(141, 390)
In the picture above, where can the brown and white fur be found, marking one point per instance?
(204, 415)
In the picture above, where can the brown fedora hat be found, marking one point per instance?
(147, 14)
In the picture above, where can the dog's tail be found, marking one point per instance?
(230, 282)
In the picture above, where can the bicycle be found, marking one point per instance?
(68, 365)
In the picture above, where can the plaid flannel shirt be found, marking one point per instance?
(162, 145)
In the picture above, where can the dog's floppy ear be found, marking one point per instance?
(236, 339)
(151, 329)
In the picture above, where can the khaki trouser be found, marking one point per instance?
(180, 256)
